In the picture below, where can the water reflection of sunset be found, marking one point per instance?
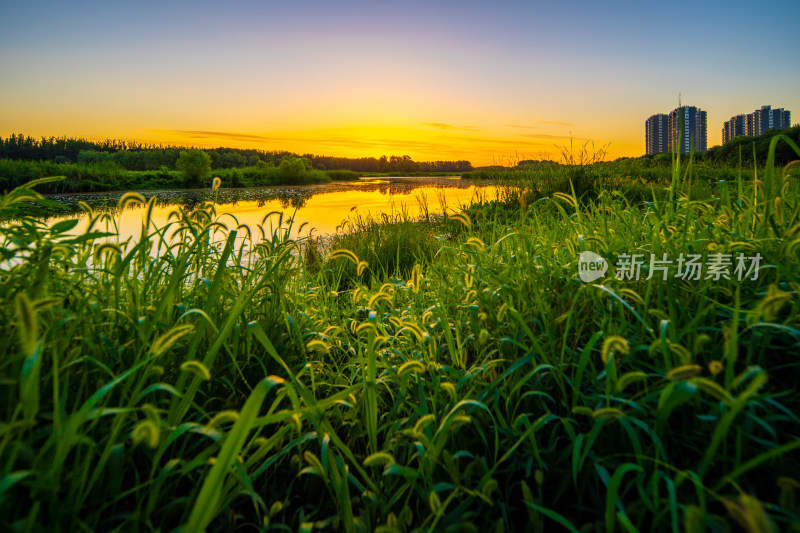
(318, 215)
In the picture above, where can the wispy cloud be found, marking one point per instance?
(330, 142)
(547, 122)
(448, 126)
(551, 137)
(555, 123)
(206, 134)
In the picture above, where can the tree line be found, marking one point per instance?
(134, 155)
(728, 154)
(747, 150)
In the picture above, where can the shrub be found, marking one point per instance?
(195, 166)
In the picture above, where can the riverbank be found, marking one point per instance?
(109, 177)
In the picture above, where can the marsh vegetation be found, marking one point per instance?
(451, 374)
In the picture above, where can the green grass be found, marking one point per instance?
(464, 378)
(107, 176)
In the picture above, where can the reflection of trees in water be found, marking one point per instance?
(395, 189)
(295, 202)
(406, 188)
(188, 200)
(289, 197)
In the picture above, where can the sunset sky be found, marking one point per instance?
(483, 81)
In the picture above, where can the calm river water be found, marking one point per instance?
(322, 207)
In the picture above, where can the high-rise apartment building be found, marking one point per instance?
(656, 133)
(683, 129)
(687, 129)
(766, 119)
(735, 127)
(755, 123)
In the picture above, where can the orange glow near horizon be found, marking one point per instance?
(422, 142)
(501, 145)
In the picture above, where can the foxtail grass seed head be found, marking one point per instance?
(347, 254)
(197, 368)
(712, 389)
(582, 411)
(462, 217)
(614, 344)
(222, 418)
(629, 379)
(379, 459)
(684, 372)
(130, 199)
(27, 323)
(318, 346)
(169, 338)
(146, 432)
(608, 412)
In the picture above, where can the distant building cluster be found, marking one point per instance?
(683, 128)
(758, 122)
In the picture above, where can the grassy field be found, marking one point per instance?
(454, 374)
